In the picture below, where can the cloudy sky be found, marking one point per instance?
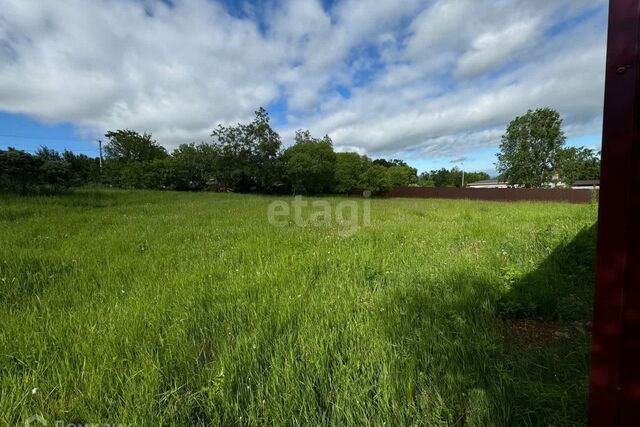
(432, 82)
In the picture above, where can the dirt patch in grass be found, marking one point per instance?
(525, 331)
(537, 331)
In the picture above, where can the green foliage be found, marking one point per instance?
(349, 169)
(529, 148)
(127, 146)
(376, 179)
(170, 308)
(19, 171)
(46, 171)
(401, 176)
(56, 174)
(310, 164)
(156, 174)
(450, 178)
(85, 169)
(248, 155)
(195, 166)
(556, 289)
(389, 163)
(470, 177)
(441, 177)
(135, 161)
(575, 164)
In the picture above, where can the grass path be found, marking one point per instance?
(180, 308)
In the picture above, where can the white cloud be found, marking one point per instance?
(493, 48)
(433, 78)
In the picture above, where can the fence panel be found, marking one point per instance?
(496, 194)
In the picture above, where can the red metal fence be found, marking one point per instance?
(496, 194)
(614, 393)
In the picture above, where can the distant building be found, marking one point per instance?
(586, 184)
(488, 183)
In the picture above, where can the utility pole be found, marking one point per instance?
(100, 148)
(462, 176)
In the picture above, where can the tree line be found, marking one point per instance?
(450, 177)
(247, 157)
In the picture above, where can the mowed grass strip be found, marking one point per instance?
(191, 308)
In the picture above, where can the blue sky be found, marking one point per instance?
(431, 82)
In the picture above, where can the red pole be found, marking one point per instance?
(614, 384)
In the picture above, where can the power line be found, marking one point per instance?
(46, 138)
(31, 150)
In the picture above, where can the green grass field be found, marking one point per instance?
(191, 308)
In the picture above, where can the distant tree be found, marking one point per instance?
(389, 163)
(529, 148)
(19, 170)
(450, 178)
(45, 171)
(376, 179)
(54, 172)
(400, 176)
(424, 180)
(45, 153)
(195, 165)
(455, 177)
(156, 174)
(129, 156)
(129, 146)
(310, 164)
(85, 169)
(575, 164)
(248, 154)
(349, 170)
(441, 177)
(470, 177)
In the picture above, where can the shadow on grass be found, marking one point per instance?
(469, 365)
(561, 288)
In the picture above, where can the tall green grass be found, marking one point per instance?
(178, 308)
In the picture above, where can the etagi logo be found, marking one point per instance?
(35, 420)
(39, 420)
(319, 212)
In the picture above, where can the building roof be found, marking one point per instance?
(487, 182)
(587, 182)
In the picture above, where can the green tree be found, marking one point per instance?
(529, 148)
(388, 163)
(85, 169)
(575, 164)
(376, 179)
(47, 170)
(310, 164)
(470, 177)
(248, 154)
(19, 171)
(441, 177)
(129, 146)
(349, 170)
(401, 176)
(129, 156)
(450, 178)
(195, 165)
(54, 172)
